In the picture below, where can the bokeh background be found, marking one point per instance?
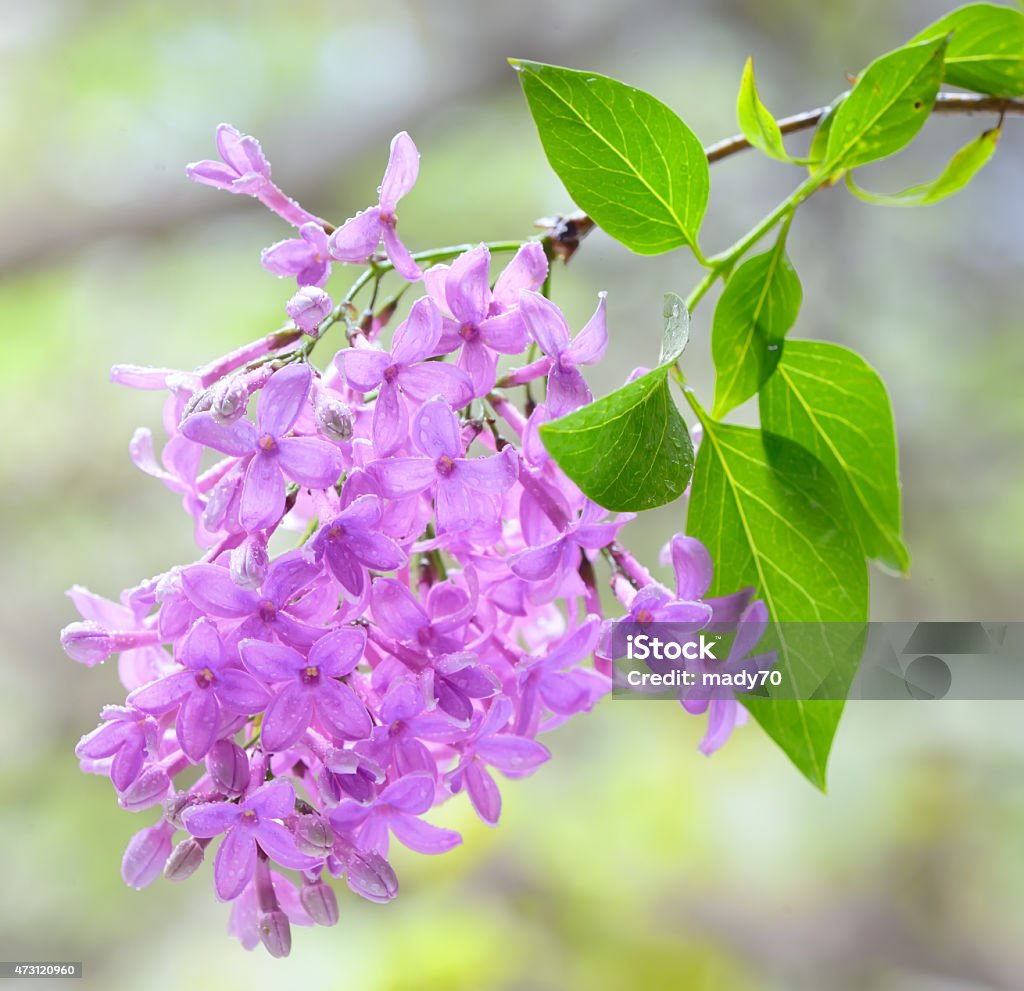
(630, 861)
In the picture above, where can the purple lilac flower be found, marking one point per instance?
(253, 821)
(462, 487)
(266, 613)
(127, 735)
(477, 324)
(311, 686)
(305, 257)
(267, 452)
(719, 702)
(405, 372)
(309, 307)
(351, 543)
(202, 692)
(244, 169)
(397, 809)
(490, 745)
(567, 389)
(359, 237)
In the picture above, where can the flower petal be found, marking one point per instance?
(262, 503)
(417, 335)
(591, 342)
(357, 238)
(287, 257)
(310, 461)
(364, 367)
(279, 845)
(467, 287)
(527, 270)
(240, 692)
(538, 563)
(282, 398)
(338, 653)
(235, 863)
(238, 438)
(496, 473)
(390, 421)
(515, 754)
(545, 322)
(402, 170)
(286, 718)
(197, 723)
(692, 564)
(483, 793)
(435, 430)
(405, 264)
(202, 647)
(210, 587)
(427, 379)
(413, 794)
(344, 716)
(422, 836)
(274, 800)
(164, 694)
(272, 662)
(210, 818)
(398, 477)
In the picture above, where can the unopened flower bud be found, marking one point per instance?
(275, 932)
(249, 562)
(228, 765)
(229, 399)
(313, 834)
(86, 642)
(146, 855)
(309, 307)
(319, 901)
(185, 859)
(334, 418)
(149, 788)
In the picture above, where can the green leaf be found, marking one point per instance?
(625, 158)
(962, 167)
(759, 304)
(986, 52)
(677, 329)
(888, 106)
(831, 401)
(819, 143)
(759, 127)
(772, 517)
(628, 451)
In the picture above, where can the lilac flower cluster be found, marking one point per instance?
(431, 615)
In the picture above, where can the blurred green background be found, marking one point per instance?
(630, 861)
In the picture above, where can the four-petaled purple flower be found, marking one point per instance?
(202, 692)
(351, 543)
(311, 686)
(404, 371)
(397, 808)
(266, 612)
(268, 453)
(253, 821)
(306, 257)
(567, 389)
(359, 237)
(463, 488)
(478, 324)
(127, 735)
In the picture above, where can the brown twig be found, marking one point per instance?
(564, 233)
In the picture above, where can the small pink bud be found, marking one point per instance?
(86, 642)
(229, 767)
(146, 855)
(319, 901)
(309, 307)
